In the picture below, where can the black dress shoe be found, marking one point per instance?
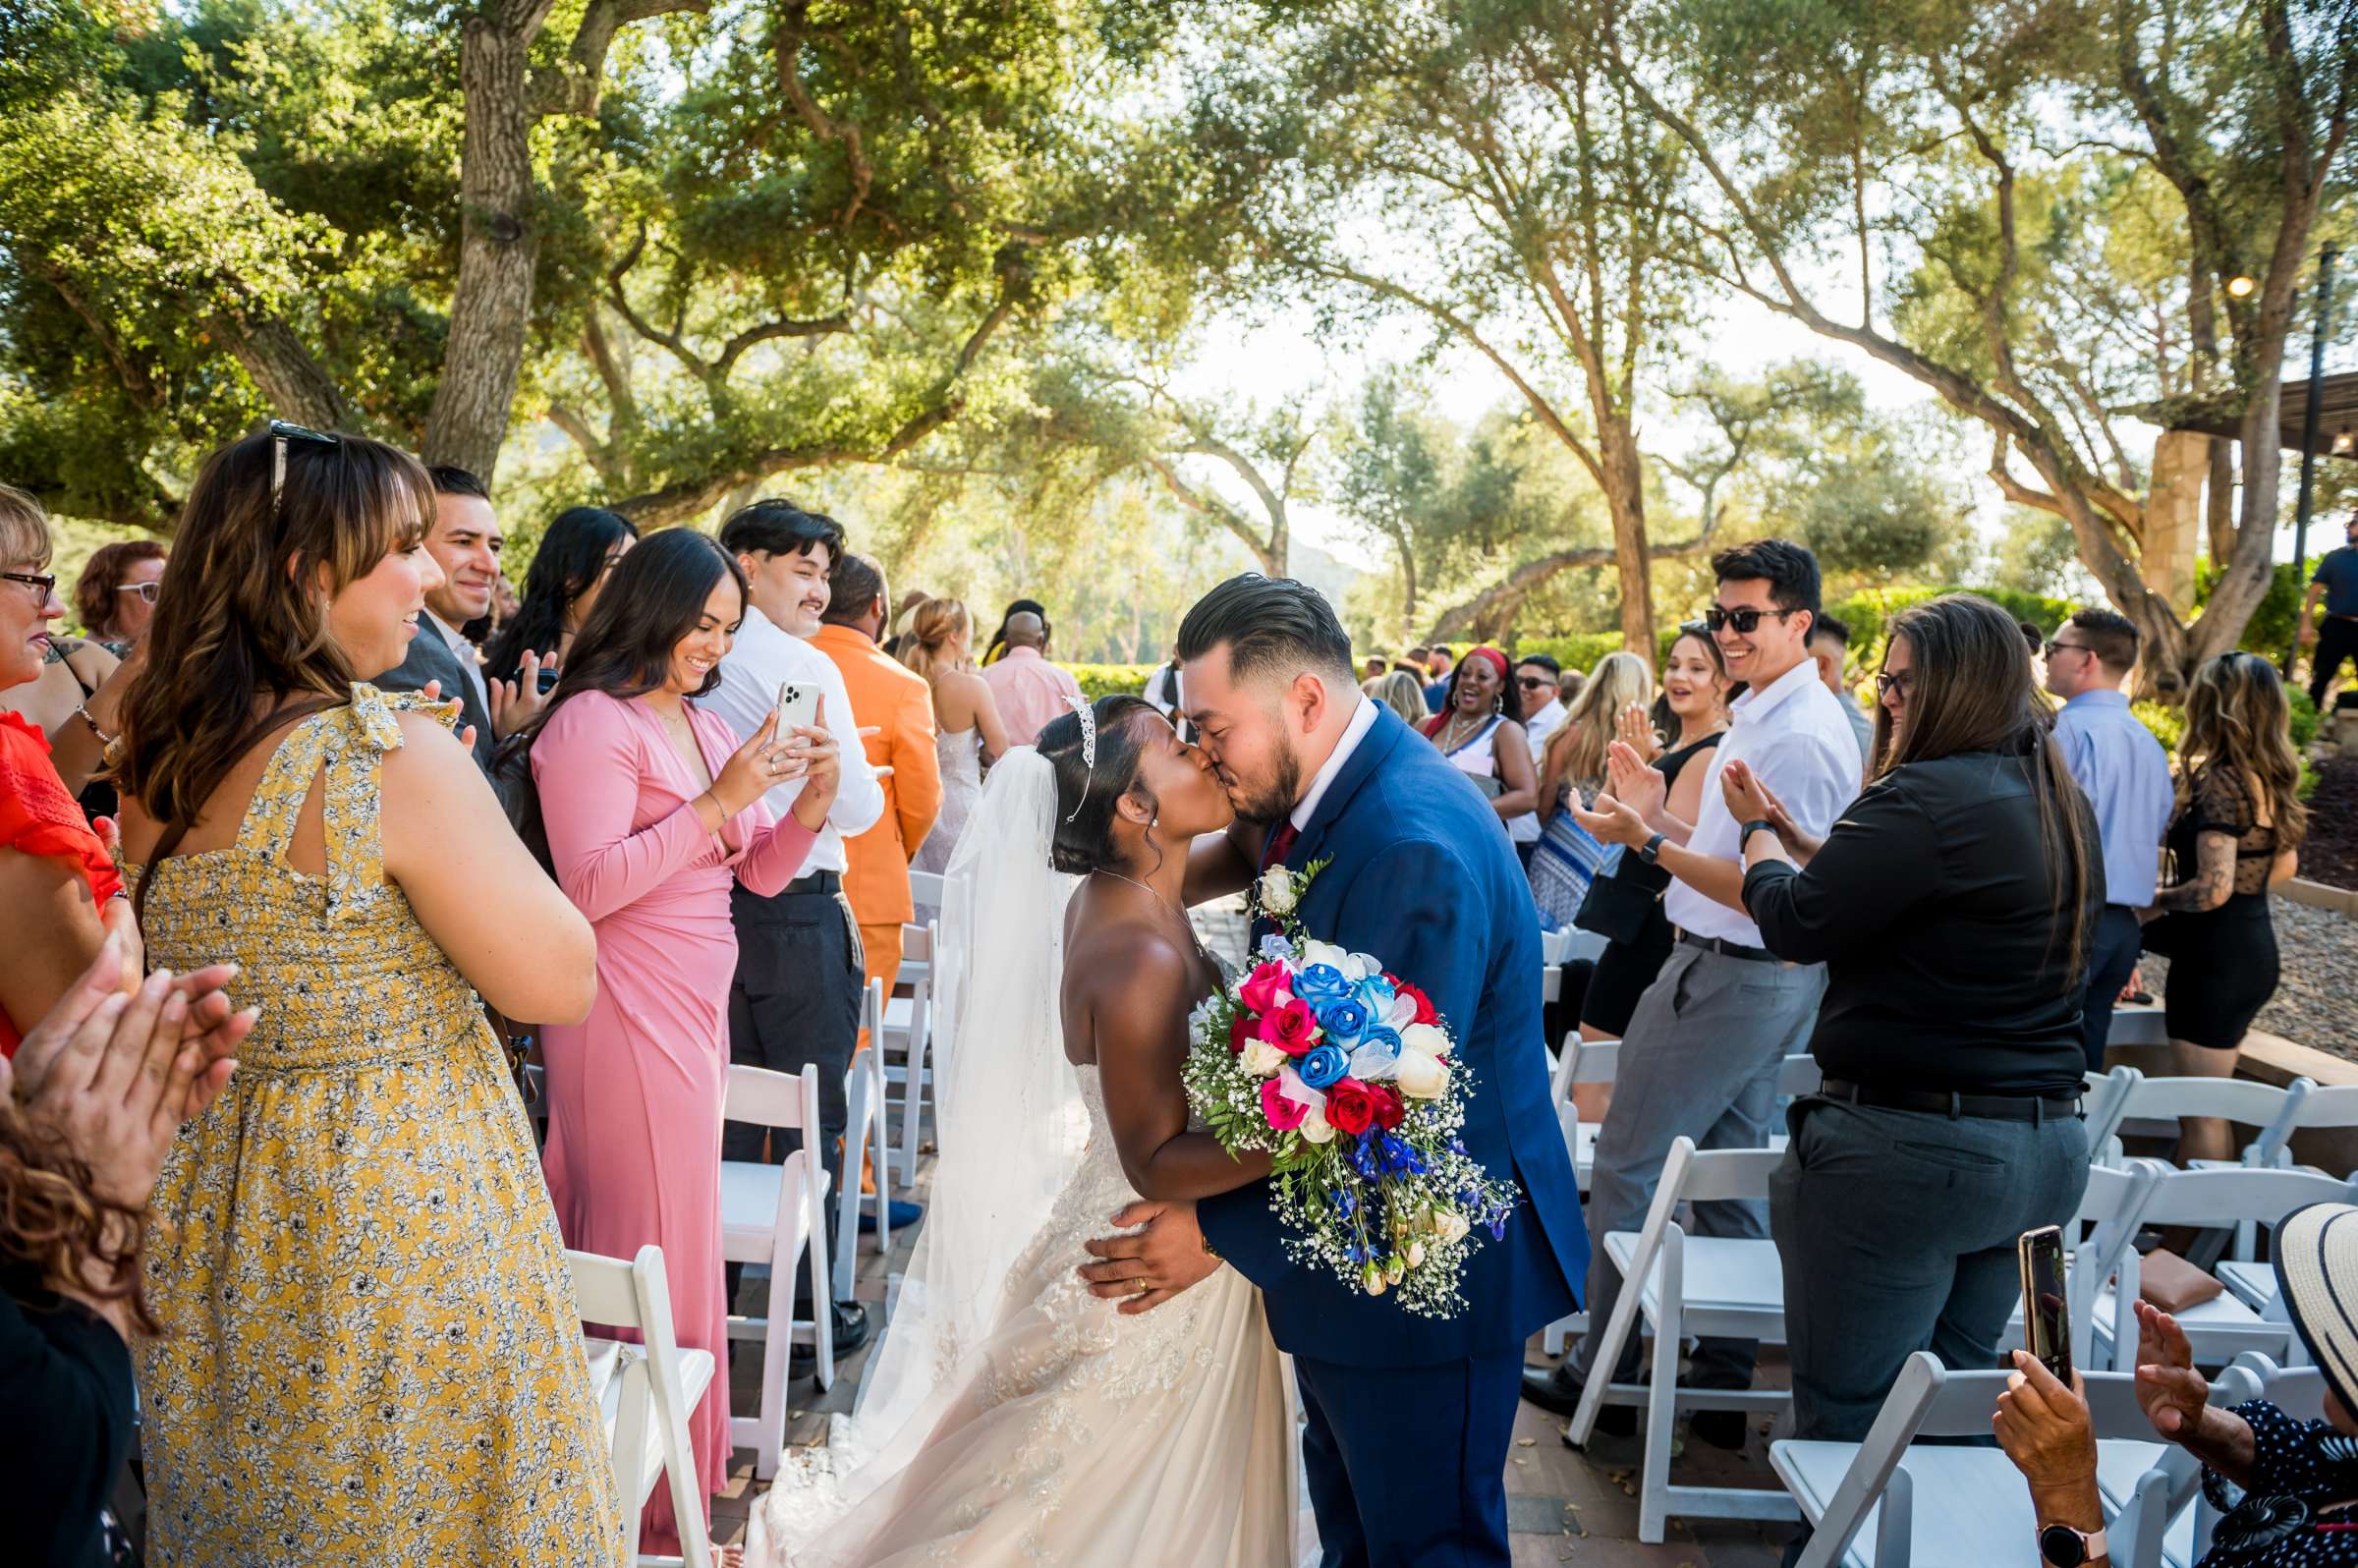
(851, 1329)
(1722, 1429)
(1558, 1389)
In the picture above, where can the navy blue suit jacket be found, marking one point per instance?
(1423, 878)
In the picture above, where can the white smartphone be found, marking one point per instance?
(798, 706)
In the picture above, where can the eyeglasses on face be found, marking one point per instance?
(146, 590)
(1888, 681)
(2054, 647)
(42, 583)
(1533, 681)
(1746, 621)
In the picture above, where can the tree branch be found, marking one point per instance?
(576, 87)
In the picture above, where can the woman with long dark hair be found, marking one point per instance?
(1952, 906)
(581, 549)
(653, 807)
(2235, 833)
(1476, 732)
(368, 1316)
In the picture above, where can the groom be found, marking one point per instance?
(1408, 1418)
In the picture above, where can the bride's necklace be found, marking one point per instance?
(1185, 924)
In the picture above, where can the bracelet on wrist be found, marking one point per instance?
(82, 713)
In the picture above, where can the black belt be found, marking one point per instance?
(1727, 949)
(1996, 1107)
(816, 882)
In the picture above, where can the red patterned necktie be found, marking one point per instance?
(1281, 844)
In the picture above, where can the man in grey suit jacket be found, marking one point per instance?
(465, 542)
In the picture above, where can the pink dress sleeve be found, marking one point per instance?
(585, 764)
(775, 850)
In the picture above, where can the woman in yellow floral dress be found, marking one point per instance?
(370, 1349)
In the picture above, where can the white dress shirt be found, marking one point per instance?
(1793, 734)
(1362, 721)
(469, 660)
(764, 657)
(1525, 829)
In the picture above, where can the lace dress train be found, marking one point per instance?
(1070, 1434)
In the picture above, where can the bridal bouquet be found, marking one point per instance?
(1341, 1072)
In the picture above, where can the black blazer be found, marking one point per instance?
(432, 659)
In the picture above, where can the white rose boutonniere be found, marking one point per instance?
(1277, 894)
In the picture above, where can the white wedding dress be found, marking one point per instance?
(1011, 1415)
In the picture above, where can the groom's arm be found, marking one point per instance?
(1222, 863)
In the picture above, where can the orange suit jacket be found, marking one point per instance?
(900, 704)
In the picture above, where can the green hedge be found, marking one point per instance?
(1867, 613)
(1112, 679)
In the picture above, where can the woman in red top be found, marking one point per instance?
(59, 890)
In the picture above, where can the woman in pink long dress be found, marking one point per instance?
(652, 805)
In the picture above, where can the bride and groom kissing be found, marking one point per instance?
(1050, 1392)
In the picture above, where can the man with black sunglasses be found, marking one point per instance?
(1701, 1055)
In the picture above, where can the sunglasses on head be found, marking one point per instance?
(1746, 620)
(282, 433)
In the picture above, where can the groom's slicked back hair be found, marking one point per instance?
(1271, 624)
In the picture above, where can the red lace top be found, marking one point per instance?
(40, 817)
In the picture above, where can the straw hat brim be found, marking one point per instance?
(2316, 1270)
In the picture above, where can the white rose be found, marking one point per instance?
(1315, 953)
(1360, 965)
(1450, 1225)
(1263, 1058)
(1316, 1127)
(1277, 890)
(1420, 1077)
(1427, 1037)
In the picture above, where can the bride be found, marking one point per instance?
(1011, 1414)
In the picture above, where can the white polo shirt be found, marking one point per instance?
(1793, 734)
(764, 658)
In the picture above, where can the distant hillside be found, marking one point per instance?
(1327, 574)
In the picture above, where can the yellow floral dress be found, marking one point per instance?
(370, 1349)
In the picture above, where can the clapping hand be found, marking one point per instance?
(515, 703)
(1636, 731)
(1635, 781)
(432, 692)
(117, 1074)
(1611, 821)
(2173, 1394)
(1750, 799)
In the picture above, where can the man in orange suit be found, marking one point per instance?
(898, 705)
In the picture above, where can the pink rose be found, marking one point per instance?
(1261, 988)
(1284, 1114)
(1291, 1027)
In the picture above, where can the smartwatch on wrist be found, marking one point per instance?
(2067, 1547)
(1653, 850)
(1759, 824)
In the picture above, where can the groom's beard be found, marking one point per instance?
(1274, 802)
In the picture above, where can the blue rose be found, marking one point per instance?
(1277, 949)
(1321, 984)
(1344, 1021)
(1323, 1067)
(1382, 1040)
(1376, 995)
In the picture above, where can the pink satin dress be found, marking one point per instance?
(634, 1092)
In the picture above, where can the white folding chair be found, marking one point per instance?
(864, 1129)
(2254, 1283)
(1883, 1503)
(1723, 1286)
(2336, 1106)
(776, 1214)
(2103, 1102)
(903, 1045)
(2222, 1328)
(2152, 1107)
(644, 1393)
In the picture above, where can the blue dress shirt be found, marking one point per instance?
(2125, 774)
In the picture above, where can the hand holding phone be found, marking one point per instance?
(2046, 1299)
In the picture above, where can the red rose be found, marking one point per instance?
(1261, 987)
(1350, 1107)
(1293, 1027)
(1240, 1030)
(1390, 1108)
(1425, 1008)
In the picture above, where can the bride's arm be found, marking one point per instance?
(1139, 1017)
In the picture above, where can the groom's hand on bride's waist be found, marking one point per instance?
(1143, 1270)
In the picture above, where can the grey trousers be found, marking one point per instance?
(1897, 1231)
(1699, 1060)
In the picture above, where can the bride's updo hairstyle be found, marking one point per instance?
(1086, 795)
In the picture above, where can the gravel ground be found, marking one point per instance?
(2318, 954)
